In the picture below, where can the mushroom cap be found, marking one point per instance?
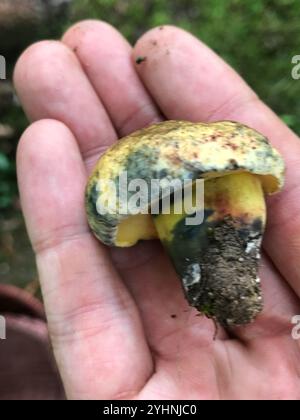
(173, 150)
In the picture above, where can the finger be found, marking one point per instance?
(94, 325)
(51, 84)
(189, 81)
(106, 58)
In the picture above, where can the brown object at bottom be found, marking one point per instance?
(27, 366)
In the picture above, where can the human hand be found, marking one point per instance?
(111, 313)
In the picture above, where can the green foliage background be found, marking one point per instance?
(257, 37)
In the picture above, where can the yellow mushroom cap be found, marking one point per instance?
(174, 150)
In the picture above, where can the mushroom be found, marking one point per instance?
(217, 260)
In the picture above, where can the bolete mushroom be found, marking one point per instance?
(216, 260)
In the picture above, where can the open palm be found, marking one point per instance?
(119, 324)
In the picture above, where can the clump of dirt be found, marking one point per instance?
(229, 289)
(140, 59)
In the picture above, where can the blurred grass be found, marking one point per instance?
(257, 37)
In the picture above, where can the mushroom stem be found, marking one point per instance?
(217, 260)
